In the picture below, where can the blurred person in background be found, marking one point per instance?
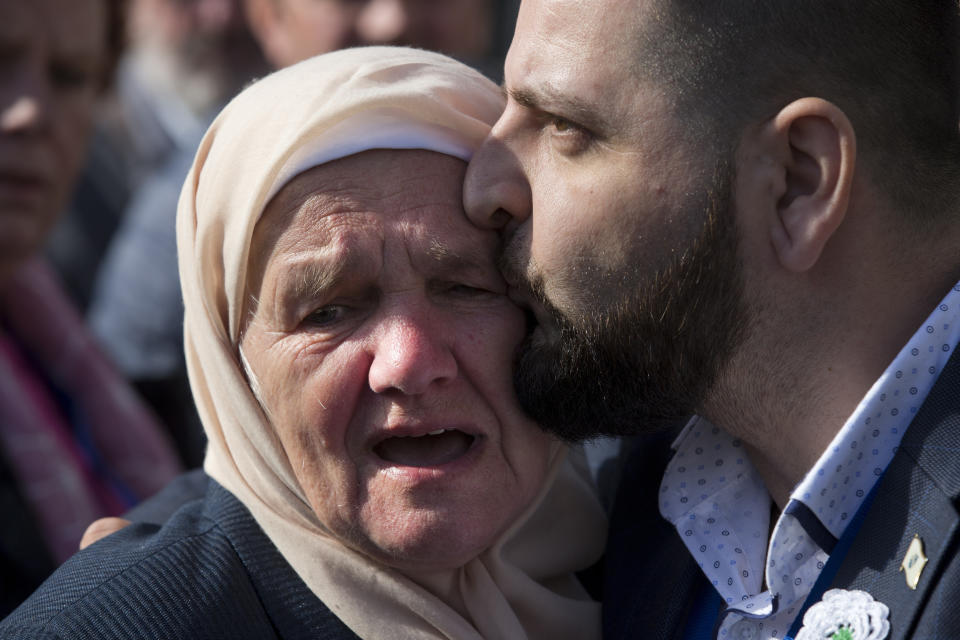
(184, 60)
(469, 30)
(188, 59)
(75, 443)
(136, 309)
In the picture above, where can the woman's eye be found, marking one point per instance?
(325, 316)
(463, 291)
(467, 290)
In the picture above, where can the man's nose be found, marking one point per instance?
(496, 191)
(25, 100)
(383, 21)
(410, 354)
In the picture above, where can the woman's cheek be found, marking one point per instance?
(502, 329)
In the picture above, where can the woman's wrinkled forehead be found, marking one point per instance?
(374, 179)
(353, 205)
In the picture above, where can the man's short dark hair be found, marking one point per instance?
(890, 65)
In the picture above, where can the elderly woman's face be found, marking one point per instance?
(381, 347)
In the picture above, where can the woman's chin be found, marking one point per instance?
(436, 515)
(429, 539)
(429, 550)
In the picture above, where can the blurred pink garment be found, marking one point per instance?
(78, 440)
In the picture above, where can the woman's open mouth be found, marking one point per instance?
(432, 449)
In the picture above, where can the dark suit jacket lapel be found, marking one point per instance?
(916, 496)
(651, 579)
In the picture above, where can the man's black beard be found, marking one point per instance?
(648, 359)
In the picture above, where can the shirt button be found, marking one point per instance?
(744, 630)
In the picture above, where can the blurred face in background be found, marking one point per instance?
(53, 55)
(199, 50)
(293, 30)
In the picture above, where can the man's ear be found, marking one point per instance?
(813, 148)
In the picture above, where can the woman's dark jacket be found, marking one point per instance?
(208, 572)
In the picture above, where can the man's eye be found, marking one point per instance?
(69, 76)
(561, 125)
(568, 137)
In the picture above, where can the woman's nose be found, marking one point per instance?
(410, 355)
(383, 22)
(496, 192)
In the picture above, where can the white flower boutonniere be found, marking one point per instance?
(846, 615)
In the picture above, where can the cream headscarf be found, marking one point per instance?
(319, 110)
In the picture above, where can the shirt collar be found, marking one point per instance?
(717, 501)
(838, 483)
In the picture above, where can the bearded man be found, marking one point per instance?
(746, 211)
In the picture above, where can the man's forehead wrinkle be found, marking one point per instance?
(571, 91)
(589, 41)
(630, 106)
(555, 46)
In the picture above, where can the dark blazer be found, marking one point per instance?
(209, 572)
(651, 578)
(25, 561)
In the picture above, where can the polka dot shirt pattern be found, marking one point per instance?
(717, 501)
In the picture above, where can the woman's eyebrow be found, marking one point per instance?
(468, 258)
(309, 279)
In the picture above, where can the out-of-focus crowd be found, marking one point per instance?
(102, 105)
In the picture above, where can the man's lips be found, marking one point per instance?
(424, 448)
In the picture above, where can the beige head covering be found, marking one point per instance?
(316, 111)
